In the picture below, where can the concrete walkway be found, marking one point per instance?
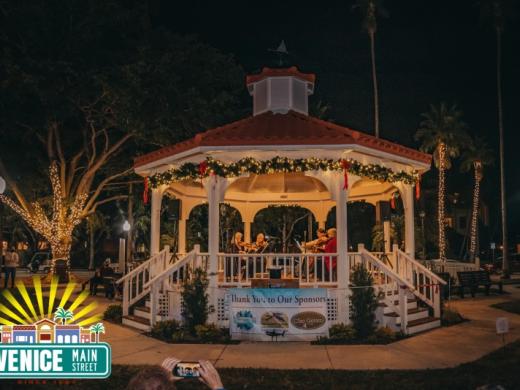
(440, 348)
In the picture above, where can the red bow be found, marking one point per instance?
(392, 202)
(203, 167)
(418, 188)
(345, 165)
(145, 191)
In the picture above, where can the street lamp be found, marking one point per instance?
(422, 214)
(122, 247)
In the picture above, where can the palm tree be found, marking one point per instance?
(443, 133)
(475, 158)
(63, 315)
(497, 12)
(370, 9)
(97, 329)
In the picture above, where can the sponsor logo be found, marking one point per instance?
(274, 319)
(308, 320)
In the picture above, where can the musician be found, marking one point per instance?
(260, 244)
(237, 244)
(331, 247)
(317, 245)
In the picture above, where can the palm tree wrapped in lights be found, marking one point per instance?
(475, 158)
(442, 132)
(63, 315)
(97, 329)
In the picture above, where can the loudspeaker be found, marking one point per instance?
(383, 211)
(174, 209)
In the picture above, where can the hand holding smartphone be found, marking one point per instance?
(187, 370)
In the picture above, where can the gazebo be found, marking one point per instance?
(281, 156)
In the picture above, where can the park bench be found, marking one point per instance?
(474, 279)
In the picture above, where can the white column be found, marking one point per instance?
(247, 231)
(155, 221)
(215, 187)
(182, 236)
(409, 221)
(340, 196)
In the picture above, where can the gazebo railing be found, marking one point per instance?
(309, 269)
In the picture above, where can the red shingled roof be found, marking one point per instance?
(280, 72)
(282, 129)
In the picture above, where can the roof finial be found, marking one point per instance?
(282, 52)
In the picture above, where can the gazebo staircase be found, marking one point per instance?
(409, 294)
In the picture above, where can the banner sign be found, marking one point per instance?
(284, 314)
(55, 361)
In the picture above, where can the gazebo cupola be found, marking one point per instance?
(280, 90)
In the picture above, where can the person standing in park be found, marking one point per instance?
(12, 260)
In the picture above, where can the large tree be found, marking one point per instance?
(89, 85)
(476, 156)
(442, 132)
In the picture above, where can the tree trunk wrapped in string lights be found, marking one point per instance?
(474, 212)
(441, 206)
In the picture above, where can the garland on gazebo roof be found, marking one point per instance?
(211, 166)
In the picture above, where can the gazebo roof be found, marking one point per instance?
(273, 129)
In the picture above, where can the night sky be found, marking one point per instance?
(427, 52)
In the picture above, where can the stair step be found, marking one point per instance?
(423, 324)
(410, 311)
(137, 322)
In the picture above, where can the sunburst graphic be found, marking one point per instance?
(30, 306)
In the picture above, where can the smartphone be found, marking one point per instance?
(187, 370)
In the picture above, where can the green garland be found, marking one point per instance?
(210, 166)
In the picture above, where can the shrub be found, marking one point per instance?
(195, 308)
(208, 333)
(364, 302)
(164, 330)
(451, 316)
(179, 336)
(113, 313)
(383, 335)
(342, 332)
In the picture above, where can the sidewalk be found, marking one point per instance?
(440, 348)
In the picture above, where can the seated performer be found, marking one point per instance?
(237, 245)
(317, 245)
(331, 247)
(260, 244)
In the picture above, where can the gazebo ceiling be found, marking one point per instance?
(284, 187)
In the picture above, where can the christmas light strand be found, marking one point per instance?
(474, 213)
(211, 166)
(441, 209)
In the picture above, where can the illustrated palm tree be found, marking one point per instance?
(63, 315)
(475, 158)
(497, 12)
(442, 132)
(370, 10)
(97, 329)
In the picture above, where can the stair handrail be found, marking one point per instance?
(145, 264)
(402, 285)
(385, 268)
(159, 278)
(416, 263)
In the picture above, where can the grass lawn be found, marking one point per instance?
(500, 367)
(510, 306)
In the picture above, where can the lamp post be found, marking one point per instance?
(422, 214)
(122, 247)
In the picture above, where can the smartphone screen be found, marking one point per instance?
(187, 370)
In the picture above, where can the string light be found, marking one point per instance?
(58, 229)
(474, 215)
(441, 210)
(192, 171)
